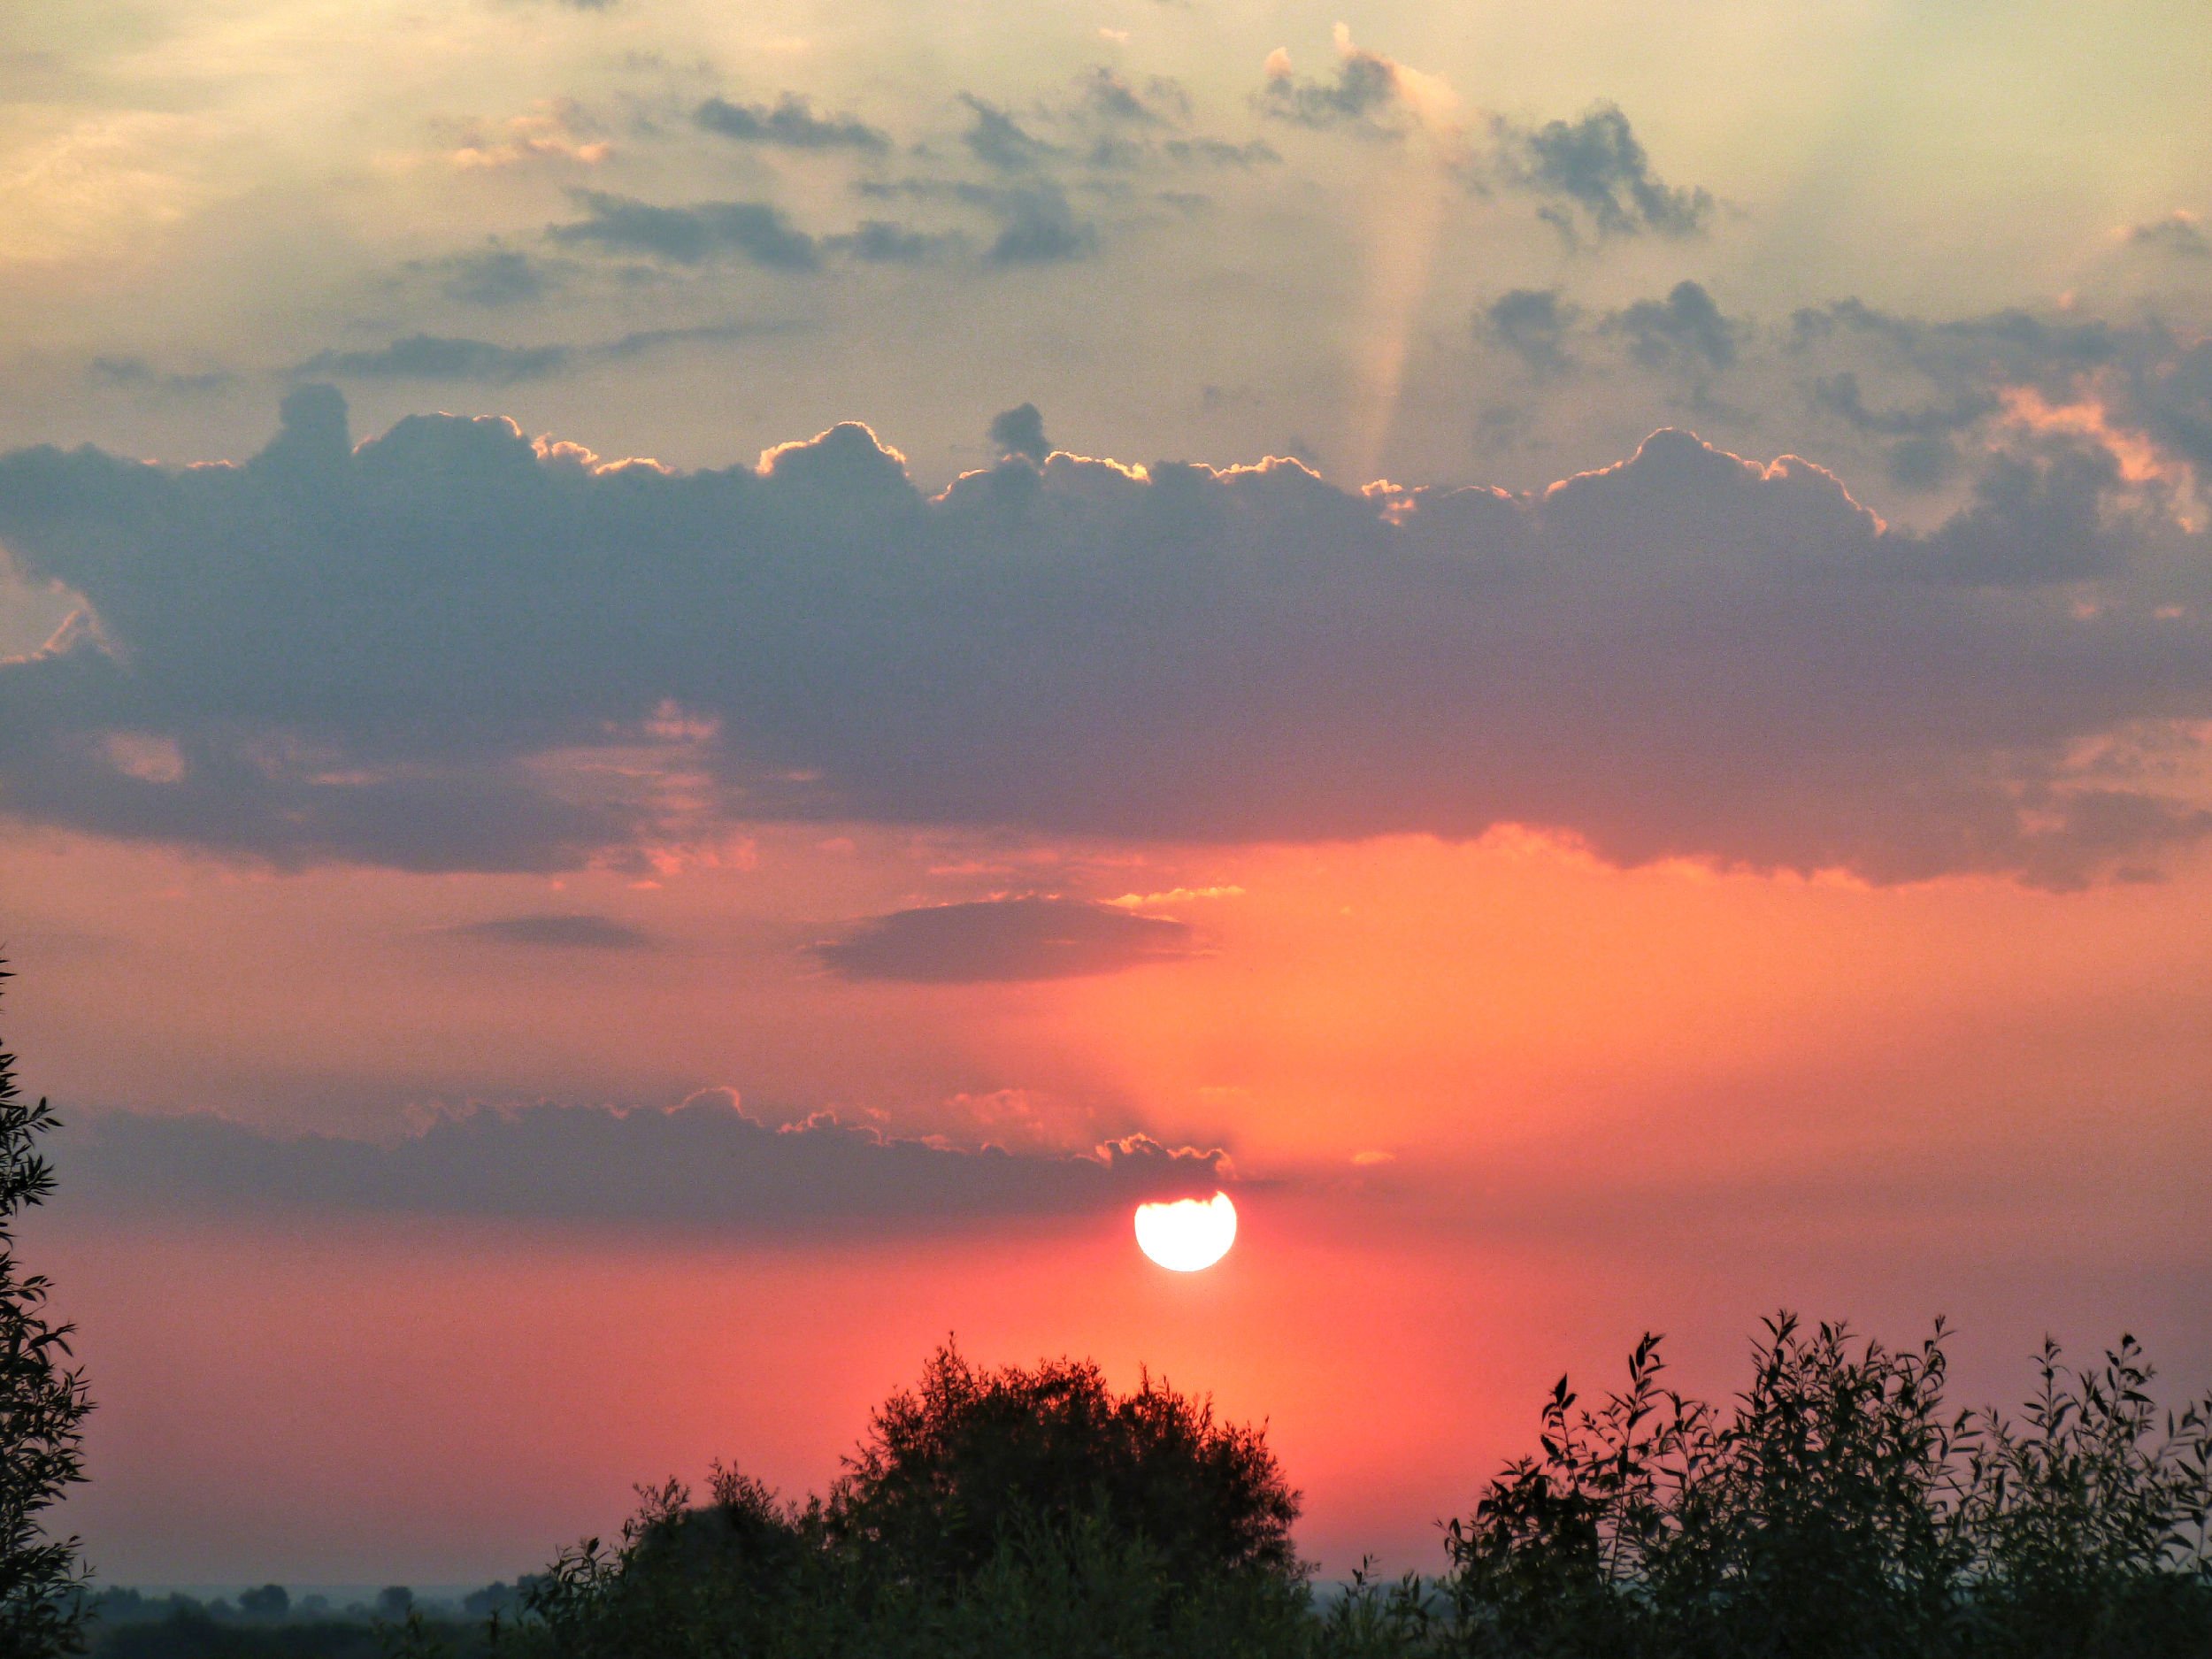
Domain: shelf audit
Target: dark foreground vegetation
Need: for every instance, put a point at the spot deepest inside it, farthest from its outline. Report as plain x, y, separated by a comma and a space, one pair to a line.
1838, 1508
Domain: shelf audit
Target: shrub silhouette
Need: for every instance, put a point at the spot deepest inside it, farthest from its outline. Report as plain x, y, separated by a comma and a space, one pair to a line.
948, 1467
1007, 1511
42, 1404
1843, 1509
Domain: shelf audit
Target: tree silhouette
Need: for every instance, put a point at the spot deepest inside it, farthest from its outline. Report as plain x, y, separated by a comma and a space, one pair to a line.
43, 1404
948, 1467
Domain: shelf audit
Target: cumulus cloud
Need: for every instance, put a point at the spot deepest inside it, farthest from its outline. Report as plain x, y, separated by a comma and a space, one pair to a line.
1367, 93
997, 139
1598, 176
490, 277
453, 648
1533, 324
706, 1165
1685, 329
791, 124
998, 939
2180, 234
1020, 431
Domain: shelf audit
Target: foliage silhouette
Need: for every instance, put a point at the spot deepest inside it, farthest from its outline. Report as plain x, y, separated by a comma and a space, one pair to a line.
1838, 1508
43, 1404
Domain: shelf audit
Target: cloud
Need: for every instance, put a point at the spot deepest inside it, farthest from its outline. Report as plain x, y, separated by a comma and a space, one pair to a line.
1020, 431
1036, 225
559, 932
882, 242
1533, 324
135, 374
704, 1166
492, 277
1597, 174
995, 139
998, 939
1217, 152
1365, 93
454, 648
1685, 329
2179, 233
436, 357
756, 231
791, 124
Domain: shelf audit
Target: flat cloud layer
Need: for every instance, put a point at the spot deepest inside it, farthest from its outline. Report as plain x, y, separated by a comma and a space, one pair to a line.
453, 648
704, 1164
1002, 940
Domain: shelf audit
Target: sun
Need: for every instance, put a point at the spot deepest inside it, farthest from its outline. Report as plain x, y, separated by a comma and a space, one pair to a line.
1188, 1234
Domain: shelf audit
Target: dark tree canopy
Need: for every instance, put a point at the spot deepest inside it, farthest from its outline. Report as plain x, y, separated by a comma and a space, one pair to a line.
42, 1404
948, 1467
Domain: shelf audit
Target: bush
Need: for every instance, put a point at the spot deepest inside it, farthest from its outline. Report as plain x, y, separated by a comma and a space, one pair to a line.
1842, 1509
43, 1405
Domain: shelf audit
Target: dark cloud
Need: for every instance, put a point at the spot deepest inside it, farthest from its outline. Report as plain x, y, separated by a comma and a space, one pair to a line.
1362, 95
1216, 152
998, 939
1107, 96
995, 139
560, 932
136, 374
1020, 431
881, 241
703, 1166
1533, 324
436, 357
375, 654
1685, 329
1595, 171
2181, 235
791, 124
755, 231
1036, 225
492, 277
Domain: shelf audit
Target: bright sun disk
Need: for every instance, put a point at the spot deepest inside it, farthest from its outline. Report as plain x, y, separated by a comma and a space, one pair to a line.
1188, 1234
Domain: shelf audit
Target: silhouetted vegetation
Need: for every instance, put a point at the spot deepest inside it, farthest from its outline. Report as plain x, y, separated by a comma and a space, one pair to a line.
1838, 1508
42, 1404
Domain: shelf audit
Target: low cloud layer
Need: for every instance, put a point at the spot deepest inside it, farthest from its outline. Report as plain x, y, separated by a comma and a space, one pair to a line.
452, 648
1003, 939
706, 1165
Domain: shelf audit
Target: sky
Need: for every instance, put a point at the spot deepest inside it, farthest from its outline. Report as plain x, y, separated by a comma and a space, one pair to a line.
684, 689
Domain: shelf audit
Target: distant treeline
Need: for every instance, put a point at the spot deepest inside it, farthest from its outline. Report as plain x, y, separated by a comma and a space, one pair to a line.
1836, 1508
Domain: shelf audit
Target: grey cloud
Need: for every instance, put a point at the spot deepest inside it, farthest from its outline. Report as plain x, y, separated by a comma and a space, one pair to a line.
882, 242
1596, 172
1359, 96
995, 139
436, 357
1036, 225
791, 124
2178, 233
559, 931
1533, 324
1000, 940
1020, 431
370, 654
137, 375
1109, 96
1216, 152
691, 235
1685, 329
705, 1166
492, 277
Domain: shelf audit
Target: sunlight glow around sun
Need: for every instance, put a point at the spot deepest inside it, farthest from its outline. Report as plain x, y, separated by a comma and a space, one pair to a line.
1188, 1234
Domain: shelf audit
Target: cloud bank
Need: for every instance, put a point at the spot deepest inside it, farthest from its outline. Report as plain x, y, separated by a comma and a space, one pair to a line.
453, 648
704, 1165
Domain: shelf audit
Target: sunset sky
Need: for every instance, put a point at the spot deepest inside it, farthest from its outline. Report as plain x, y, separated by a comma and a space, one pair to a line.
685, 687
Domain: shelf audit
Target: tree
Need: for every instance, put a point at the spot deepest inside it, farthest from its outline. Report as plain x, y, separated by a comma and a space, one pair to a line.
948, 1469
43, 1405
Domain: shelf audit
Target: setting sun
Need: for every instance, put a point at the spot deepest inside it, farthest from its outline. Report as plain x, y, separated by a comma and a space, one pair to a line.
1188, 1234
